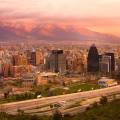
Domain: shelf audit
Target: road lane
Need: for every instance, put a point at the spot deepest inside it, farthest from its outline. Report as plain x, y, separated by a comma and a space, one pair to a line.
29, 104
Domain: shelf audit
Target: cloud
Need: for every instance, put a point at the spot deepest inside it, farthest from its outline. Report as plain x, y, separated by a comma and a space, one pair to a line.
69, 8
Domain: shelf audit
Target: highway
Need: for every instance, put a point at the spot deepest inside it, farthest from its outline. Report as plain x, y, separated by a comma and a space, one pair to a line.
12, 108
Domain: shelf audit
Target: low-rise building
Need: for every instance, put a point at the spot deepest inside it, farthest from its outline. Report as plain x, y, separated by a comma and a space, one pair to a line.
106, 82
45, 77
28, 79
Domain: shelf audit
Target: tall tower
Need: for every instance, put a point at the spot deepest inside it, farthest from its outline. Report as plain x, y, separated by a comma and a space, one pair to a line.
57, 61
112, 61
93, 59
36, 57
105, 64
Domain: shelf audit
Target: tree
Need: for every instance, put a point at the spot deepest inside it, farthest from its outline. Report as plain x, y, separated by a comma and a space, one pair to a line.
103, 100
57, 115
34, 117
95, 104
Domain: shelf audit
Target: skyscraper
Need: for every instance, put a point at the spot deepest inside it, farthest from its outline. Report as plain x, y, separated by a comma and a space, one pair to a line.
56, 61
93, 59
36, 57
112, 61
105, 64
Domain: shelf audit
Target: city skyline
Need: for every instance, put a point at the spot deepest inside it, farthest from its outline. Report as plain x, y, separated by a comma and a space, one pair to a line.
100, 16
59, 59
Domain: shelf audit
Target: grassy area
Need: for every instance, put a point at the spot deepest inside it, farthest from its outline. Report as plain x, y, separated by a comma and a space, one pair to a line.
46, 91
110, 111
70, 89
18, 97
76, 104
84, 87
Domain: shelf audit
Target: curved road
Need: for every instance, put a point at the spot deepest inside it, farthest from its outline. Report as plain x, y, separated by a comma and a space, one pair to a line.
31, 104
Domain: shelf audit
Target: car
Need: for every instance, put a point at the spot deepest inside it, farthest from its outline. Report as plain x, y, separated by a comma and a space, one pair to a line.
39, 96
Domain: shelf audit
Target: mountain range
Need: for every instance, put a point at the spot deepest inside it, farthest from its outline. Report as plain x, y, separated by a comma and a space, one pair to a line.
53, 32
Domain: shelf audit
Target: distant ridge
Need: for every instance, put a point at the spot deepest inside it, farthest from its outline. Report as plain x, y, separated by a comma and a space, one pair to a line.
53, 32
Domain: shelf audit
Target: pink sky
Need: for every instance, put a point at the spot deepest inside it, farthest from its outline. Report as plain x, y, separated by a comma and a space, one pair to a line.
98, 15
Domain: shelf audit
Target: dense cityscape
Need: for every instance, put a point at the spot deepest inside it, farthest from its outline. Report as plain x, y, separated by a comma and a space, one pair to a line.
59, 60
38, 74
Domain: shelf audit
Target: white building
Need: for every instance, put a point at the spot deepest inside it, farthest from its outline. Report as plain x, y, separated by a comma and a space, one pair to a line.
106, 82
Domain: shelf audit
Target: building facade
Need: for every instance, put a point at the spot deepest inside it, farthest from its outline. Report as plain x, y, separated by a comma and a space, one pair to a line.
105, 64
93, 59
56, 62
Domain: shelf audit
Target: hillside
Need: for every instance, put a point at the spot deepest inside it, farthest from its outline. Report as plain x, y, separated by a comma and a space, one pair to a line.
53, 32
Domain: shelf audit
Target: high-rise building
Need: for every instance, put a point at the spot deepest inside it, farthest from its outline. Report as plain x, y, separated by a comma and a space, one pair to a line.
16, 60
36, 57
93, 59
56, 61
105, 64
112, 61
6, 70
33, 58
28, 54
19, 60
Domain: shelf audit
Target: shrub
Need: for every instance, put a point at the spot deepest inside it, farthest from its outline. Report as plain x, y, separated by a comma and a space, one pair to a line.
103, 100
